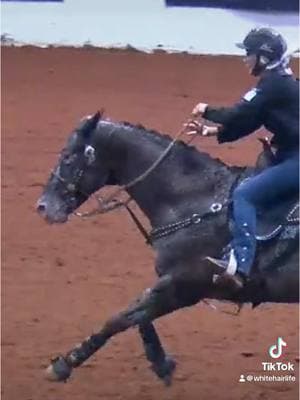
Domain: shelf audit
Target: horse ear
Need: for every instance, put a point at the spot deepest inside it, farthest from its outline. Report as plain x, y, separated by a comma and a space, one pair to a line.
91, 123
94, 120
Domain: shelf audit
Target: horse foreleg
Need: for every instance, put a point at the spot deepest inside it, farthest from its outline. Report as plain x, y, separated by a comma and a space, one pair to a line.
161, 363
153, 303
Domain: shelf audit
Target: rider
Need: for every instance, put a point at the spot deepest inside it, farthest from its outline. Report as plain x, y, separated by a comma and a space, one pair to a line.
274, 103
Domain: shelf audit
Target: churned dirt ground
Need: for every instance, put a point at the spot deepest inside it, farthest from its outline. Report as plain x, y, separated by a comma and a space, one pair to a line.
59, 283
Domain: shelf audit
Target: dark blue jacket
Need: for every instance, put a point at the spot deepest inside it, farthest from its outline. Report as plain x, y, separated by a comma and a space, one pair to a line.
273, 103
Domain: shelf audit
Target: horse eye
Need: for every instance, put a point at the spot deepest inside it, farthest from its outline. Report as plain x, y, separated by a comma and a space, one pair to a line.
68, 159
89, 153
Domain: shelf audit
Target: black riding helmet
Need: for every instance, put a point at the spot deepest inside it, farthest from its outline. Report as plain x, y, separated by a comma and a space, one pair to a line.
268, 46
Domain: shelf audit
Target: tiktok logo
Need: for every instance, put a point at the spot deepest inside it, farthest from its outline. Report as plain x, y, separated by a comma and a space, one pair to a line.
275, 351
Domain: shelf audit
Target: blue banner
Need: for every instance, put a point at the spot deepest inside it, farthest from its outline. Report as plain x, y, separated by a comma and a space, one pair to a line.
259, 5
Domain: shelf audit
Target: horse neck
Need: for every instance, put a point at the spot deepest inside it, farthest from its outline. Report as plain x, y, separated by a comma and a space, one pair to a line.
181, 185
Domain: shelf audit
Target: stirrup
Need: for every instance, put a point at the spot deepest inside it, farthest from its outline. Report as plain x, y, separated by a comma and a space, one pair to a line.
230, 266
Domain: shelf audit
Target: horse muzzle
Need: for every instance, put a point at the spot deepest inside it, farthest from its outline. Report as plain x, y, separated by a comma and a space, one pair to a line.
51, 212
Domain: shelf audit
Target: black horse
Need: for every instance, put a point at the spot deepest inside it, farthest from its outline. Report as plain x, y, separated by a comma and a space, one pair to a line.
186, 199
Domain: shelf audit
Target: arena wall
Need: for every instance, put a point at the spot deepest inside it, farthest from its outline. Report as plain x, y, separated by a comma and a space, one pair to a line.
143, 24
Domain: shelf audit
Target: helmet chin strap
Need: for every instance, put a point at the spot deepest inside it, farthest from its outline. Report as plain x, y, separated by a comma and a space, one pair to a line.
263, 63
283, 61
260, 65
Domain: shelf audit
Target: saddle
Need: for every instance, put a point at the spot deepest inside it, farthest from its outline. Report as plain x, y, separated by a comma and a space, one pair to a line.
279, 217
284, 216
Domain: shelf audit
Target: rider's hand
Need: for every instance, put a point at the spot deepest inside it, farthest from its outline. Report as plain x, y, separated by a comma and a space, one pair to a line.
195, 127
210, 130
199, 109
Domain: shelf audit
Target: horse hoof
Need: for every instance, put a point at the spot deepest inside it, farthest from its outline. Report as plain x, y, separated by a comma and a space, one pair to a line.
165, 370
58, 370
170, 368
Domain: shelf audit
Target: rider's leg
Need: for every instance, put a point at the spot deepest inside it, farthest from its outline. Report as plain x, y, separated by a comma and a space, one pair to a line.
263, 189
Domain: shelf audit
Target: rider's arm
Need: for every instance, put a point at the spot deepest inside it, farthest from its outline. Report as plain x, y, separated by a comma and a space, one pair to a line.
244, 117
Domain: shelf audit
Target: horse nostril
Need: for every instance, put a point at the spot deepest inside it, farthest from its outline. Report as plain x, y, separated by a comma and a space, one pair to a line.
41, 208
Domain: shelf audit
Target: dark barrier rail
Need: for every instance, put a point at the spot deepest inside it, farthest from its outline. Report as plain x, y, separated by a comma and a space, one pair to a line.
259, 5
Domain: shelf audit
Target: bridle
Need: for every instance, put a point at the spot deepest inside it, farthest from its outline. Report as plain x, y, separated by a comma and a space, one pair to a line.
111, 202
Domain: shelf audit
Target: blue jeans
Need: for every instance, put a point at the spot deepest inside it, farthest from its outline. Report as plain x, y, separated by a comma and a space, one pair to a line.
263, 189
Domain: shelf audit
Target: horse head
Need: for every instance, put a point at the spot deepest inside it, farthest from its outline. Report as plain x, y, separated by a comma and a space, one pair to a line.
82, 169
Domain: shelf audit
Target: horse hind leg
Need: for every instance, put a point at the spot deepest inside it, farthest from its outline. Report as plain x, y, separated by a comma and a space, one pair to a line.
160, 300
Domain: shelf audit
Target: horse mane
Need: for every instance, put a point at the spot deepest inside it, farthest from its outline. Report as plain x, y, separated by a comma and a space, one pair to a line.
189, 154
